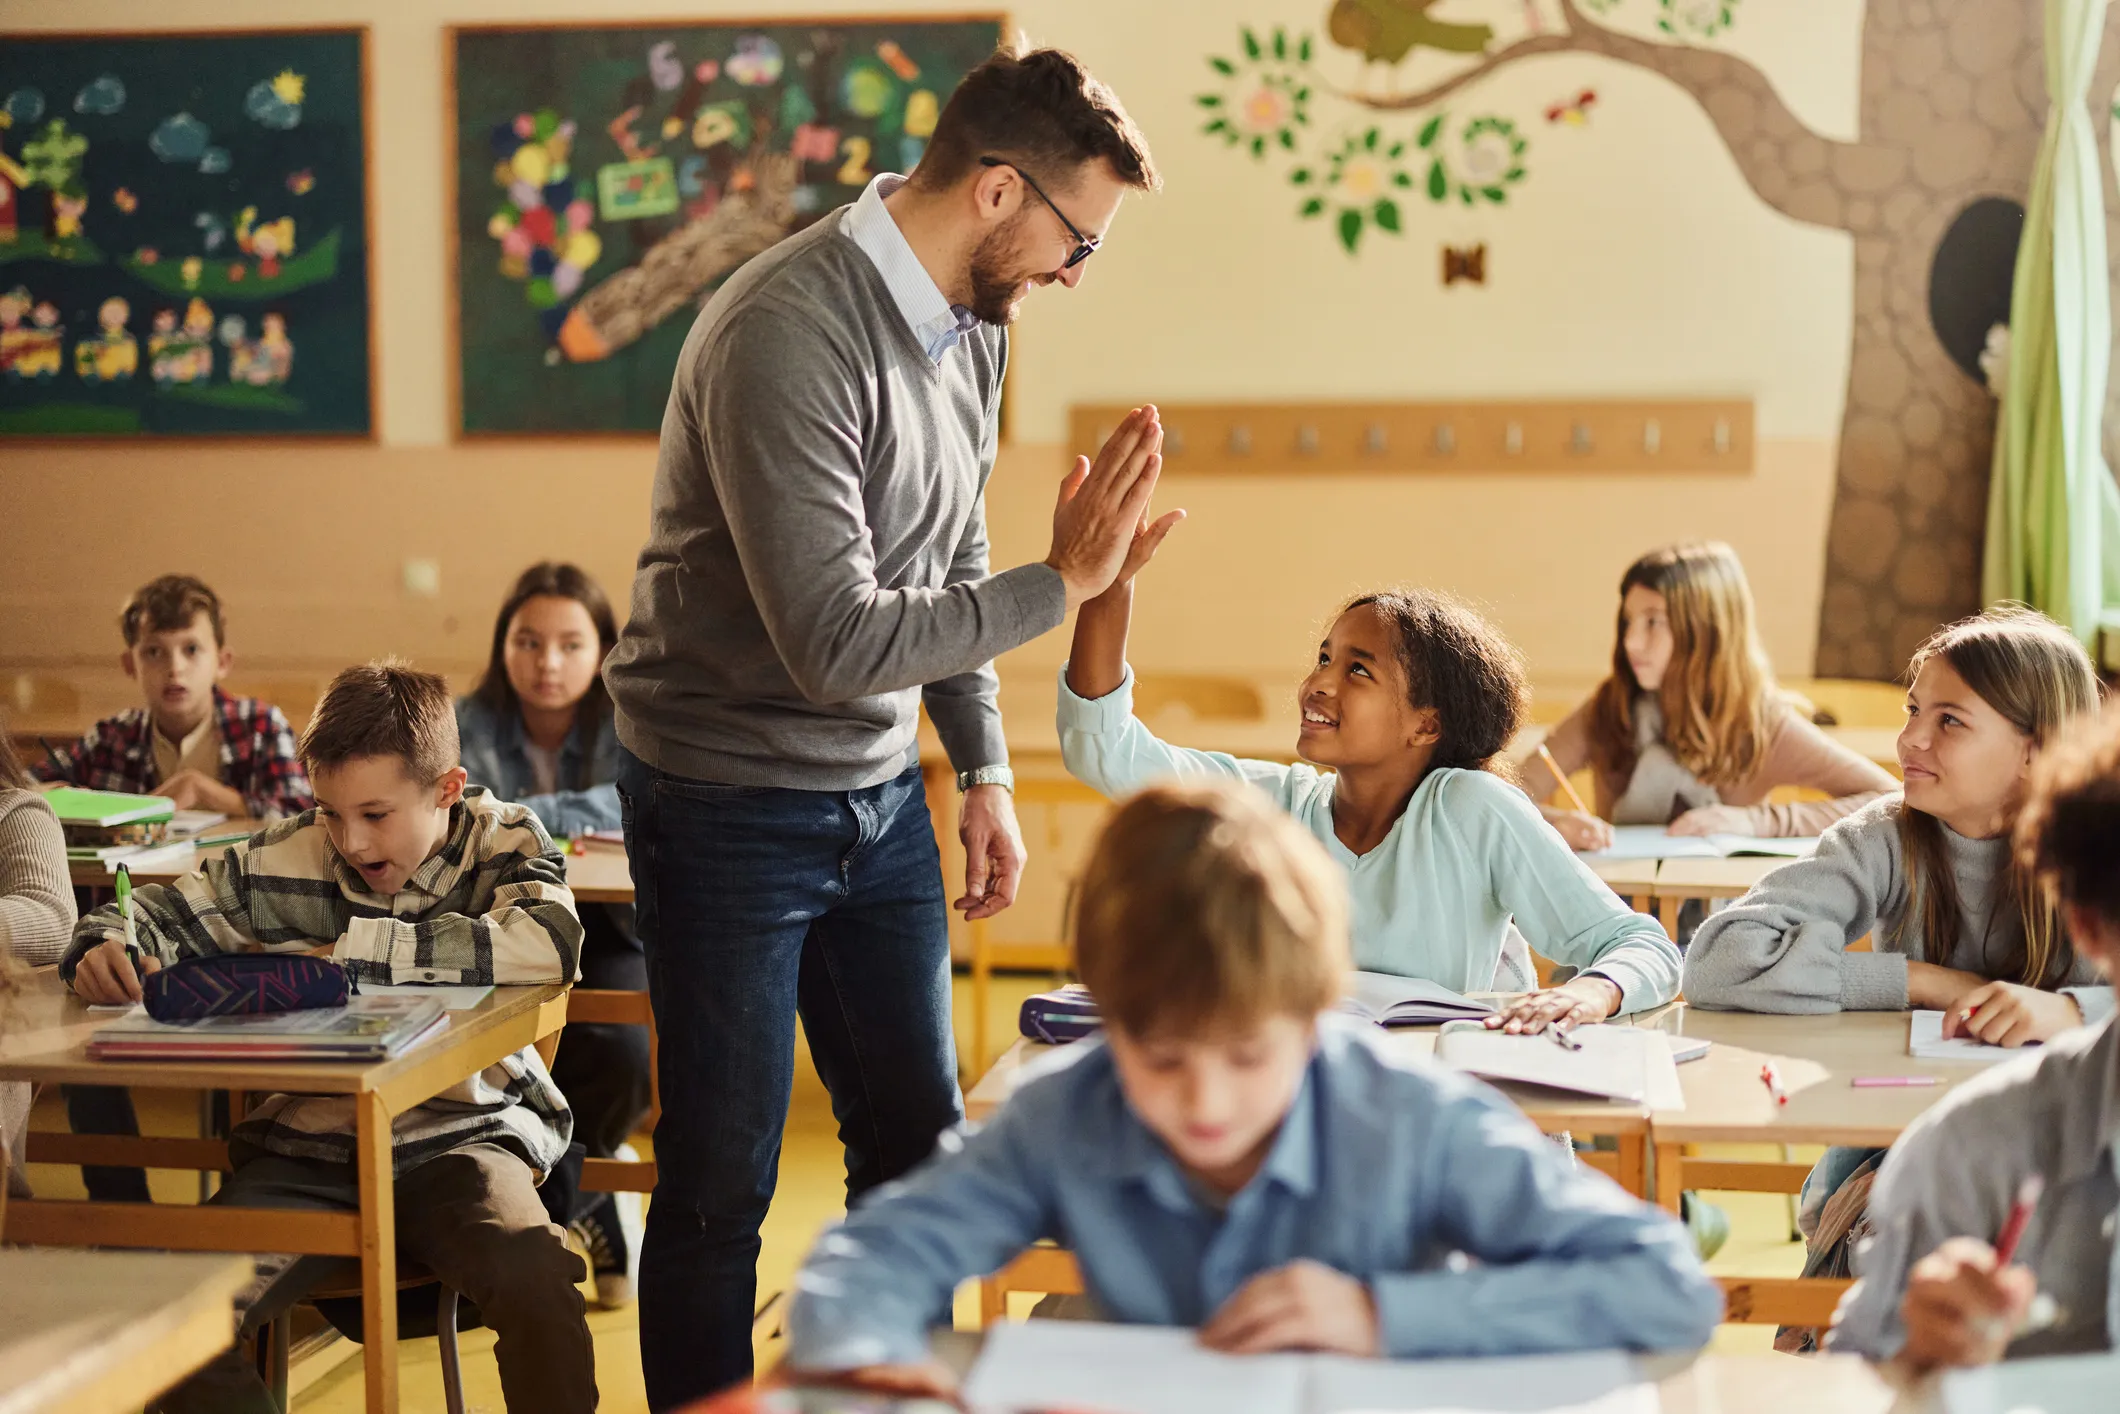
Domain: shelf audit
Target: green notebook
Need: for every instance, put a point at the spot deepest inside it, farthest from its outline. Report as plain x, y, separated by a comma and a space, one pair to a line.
104, 808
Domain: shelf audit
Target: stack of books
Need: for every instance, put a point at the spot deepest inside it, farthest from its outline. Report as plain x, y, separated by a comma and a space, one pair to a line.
110, 827
367, 1028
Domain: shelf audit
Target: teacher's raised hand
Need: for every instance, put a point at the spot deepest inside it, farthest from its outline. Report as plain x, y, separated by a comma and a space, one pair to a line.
1101, 506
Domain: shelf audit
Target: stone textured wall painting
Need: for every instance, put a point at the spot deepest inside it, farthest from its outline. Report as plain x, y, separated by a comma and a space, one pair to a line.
1931, 187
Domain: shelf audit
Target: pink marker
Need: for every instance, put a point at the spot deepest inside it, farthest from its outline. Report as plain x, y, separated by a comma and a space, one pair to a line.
1878, 1082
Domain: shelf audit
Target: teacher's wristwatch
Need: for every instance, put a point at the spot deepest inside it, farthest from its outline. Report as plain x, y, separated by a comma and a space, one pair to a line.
1000, 776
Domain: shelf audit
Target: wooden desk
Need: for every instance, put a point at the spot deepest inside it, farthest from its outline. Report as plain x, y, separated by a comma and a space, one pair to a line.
1632, 879
1680, 879
101, 1332
45, 1043
1727, 1102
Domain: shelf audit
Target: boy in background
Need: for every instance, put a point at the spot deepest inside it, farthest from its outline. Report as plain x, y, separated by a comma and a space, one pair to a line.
190, 741
409, 877
1229, 1156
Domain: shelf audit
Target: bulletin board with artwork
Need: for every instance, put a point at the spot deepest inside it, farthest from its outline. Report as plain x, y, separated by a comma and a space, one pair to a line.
608, 179
184, 234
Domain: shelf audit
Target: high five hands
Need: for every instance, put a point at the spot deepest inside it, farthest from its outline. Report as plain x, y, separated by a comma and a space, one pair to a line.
1102, 534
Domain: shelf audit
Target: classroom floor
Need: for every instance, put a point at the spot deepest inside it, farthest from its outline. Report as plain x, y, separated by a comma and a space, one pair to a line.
811, 1193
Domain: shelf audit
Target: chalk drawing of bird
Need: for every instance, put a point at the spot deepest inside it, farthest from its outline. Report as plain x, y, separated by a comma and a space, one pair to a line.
1386, 31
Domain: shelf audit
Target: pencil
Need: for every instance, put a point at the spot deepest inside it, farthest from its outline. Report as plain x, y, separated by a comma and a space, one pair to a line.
1567, 785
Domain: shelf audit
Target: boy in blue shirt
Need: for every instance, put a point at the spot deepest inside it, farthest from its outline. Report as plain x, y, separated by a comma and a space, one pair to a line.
1229, 1157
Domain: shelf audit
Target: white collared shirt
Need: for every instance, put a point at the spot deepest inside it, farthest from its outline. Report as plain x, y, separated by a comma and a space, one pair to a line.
936, 323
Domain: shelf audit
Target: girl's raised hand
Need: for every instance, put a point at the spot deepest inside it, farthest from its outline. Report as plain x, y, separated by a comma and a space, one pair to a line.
2006, 1014
1148, 538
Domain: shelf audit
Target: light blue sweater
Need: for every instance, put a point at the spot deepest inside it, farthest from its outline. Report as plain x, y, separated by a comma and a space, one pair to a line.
1435, 899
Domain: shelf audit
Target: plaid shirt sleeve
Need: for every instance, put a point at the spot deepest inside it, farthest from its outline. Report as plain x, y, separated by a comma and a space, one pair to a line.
266, 766
527, 932
107, 757
205, 912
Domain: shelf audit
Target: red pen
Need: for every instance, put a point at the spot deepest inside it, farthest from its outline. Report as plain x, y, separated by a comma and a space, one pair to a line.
1771, 1074
2020, 1216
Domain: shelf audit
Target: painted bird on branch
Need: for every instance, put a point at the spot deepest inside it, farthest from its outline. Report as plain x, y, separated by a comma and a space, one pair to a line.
1386, 31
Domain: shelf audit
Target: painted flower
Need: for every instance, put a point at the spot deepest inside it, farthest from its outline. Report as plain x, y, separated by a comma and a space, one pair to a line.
1264, 97
1485, 160
1696, 19
1360, 182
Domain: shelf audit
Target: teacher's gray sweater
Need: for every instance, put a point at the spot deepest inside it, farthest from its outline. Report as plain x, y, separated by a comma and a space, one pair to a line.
1783, 947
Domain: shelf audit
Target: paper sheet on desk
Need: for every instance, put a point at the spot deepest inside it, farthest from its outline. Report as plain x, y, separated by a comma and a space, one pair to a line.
1651, 842
451, 998
2060, 1384
1926, 1041
1086, 1365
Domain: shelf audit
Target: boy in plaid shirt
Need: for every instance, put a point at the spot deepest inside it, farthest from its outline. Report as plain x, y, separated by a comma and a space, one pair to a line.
191, 741
410, 877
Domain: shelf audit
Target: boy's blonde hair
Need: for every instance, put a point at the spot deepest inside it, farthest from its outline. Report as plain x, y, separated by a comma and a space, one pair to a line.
1204, 906
385, 709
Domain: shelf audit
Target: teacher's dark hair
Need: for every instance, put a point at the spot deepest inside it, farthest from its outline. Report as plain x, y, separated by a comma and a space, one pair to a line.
1041, 111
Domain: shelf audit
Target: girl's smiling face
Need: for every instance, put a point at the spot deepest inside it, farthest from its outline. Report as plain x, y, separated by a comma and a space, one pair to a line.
1357, 707
1964, 762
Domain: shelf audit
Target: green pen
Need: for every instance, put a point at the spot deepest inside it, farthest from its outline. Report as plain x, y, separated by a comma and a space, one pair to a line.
125, 911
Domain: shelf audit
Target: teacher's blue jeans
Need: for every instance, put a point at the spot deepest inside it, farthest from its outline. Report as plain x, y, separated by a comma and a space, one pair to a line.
757, 905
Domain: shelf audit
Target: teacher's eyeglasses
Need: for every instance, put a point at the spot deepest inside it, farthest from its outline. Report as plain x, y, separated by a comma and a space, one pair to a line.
1085, 246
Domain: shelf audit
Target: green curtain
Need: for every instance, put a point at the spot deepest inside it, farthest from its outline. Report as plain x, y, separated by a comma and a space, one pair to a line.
2053, 531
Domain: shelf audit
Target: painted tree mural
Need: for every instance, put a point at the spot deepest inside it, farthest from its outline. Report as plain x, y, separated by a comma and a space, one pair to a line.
1952, 105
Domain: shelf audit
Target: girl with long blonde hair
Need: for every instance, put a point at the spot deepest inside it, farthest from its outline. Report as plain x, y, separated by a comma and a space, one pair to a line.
1689, 731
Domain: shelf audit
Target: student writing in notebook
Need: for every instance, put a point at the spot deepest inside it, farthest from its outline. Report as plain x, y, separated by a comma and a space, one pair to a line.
1932, 1291
537, 730
1689, 731
410, 877
188, 740
1410, 701
1230, 1156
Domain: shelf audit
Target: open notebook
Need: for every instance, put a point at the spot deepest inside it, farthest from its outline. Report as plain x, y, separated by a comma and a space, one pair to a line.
1087, 1365
1926, 1041
1651, 842
1407, 1001
1608, 1062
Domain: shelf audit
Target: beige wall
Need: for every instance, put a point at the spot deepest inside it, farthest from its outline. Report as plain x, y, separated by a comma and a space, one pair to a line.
1634, 262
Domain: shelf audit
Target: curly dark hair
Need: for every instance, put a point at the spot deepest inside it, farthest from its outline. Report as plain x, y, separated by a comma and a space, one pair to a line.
1462, 667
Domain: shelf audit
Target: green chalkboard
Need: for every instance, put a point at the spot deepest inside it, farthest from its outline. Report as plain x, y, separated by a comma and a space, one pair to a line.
184, 234
609, 178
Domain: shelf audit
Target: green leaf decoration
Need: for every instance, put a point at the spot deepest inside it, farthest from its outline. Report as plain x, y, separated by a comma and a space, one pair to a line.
1350, 229
1396, 149
1222, 66
1514, 174
1438, 184
1251, 43
1465, 195
1387, 214
1258, 147
1401, 179
1288, 140
1303, 54
1494, 194
1300, 176
1313, 206
1303, 96
1280, 43
1431, 130
1219, 125
1369, 139
1209, 100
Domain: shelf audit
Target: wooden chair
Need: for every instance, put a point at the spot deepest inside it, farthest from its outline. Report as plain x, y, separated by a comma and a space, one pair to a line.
1041, 956
591, 1006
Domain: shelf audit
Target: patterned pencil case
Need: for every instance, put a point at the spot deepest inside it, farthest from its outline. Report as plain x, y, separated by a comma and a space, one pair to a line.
243, 984
1067, 1014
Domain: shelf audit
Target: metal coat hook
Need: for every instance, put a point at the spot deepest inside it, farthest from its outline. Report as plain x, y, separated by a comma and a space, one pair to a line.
1513, 439
1652, 437
1374, 441
1579, 440
1445, 440
1240, 440
1722, 435
1307, 440
1173, 441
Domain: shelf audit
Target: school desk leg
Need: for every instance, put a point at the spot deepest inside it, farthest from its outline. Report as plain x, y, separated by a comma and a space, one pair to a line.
1667, 914
993, 1302
1634, 1164
378, 1253
1670, 1175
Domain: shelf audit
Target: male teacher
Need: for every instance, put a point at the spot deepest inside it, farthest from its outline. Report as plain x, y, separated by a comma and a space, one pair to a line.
816, 570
